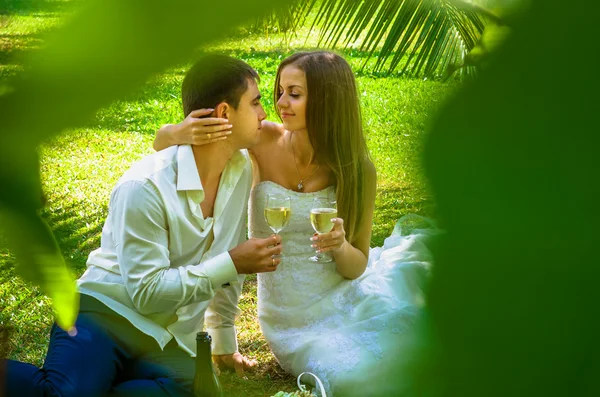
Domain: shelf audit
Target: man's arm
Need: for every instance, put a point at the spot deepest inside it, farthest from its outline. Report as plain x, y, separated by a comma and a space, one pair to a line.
222, 312
139, 224
220, 317
141, 234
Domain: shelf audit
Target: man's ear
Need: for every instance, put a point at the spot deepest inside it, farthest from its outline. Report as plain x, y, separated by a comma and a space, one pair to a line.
222, 110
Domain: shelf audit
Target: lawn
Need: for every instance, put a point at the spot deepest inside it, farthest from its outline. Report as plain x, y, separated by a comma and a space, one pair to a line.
80, 168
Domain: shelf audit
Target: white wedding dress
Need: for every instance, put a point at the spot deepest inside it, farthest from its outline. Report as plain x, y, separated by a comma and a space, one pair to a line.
350, 333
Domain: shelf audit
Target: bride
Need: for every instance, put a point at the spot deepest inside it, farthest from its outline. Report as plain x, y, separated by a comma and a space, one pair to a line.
347, 320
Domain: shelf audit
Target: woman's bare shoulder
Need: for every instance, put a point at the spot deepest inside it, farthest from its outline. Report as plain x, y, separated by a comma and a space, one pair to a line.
270, 134
272, 130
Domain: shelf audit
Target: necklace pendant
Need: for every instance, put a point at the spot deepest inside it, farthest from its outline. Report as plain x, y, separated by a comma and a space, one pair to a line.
300, 186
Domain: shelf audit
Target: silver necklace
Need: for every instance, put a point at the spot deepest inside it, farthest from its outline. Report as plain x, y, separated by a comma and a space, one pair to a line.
301, 183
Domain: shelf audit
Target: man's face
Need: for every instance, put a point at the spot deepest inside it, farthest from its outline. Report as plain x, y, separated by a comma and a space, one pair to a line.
246, 119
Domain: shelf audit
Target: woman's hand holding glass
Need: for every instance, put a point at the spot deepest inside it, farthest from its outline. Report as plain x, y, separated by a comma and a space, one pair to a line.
329, 242
196, 129
330, 234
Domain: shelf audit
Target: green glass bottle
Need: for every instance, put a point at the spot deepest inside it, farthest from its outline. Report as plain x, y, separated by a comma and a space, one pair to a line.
206, 383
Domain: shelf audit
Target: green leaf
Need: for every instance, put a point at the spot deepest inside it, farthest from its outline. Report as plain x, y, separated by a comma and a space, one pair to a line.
513, 163
41, 263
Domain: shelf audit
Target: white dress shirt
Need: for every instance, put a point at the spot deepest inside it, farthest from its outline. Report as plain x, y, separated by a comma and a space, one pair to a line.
161, 264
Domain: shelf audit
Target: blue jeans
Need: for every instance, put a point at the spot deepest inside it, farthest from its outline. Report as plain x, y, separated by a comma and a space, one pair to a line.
95, 363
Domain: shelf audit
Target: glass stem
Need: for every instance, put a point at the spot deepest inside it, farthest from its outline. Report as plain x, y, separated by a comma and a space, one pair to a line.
318, 254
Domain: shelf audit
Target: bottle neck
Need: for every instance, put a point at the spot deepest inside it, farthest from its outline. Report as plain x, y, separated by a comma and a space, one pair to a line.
203, 353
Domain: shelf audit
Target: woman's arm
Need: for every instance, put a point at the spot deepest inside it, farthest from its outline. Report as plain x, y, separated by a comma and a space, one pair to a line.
351, 258
195, 129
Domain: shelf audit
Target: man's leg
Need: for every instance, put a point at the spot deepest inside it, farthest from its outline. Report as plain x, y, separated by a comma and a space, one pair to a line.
169, 372
80, 365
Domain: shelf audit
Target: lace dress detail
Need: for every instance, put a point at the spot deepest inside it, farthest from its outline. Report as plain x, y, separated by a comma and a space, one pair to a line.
315, 320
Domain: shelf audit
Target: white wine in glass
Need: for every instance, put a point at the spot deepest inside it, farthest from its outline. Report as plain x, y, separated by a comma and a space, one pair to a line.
278, 211
323, 210
320, 218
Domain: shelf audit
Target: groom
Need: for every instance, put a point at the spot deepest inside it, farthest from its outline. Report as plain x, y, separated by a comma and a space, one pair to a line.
172, 258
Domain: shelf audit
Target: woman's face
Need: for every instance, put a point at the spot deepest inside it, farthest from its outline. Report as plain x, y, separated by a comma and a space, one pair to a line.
293, 95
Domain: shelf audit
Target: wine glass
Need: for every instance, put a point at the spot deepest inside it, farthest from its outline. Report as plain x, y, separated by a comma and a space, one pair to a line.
323, 210
278, 211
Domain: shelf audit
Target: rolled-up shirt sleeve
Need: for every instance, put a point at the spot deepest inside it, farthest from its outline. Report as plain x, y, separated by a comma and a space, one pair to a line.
141, 233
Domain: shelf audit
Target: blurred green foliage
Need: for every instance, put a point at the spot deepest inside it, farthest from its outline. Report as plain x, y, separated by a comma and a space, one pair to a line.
514, 163
512, 160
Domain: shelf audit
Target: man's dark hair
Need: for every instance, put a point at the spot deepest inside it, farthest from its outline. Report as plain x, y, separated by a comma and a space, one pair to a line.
214, 79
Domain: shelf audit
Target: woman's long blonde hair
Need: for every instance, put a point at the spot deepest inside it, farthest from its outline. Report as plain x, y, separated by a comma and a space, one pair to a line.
334, 124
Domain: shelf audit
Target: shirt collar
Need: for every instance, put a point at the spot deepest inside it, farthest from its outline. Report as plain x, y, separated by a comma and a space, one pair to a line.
238, 160
187, 171
188, 179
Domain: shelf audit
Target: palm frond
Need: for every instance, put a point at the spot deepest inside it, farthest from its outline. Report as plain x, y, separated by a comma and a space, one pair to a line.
417, 37
285, 19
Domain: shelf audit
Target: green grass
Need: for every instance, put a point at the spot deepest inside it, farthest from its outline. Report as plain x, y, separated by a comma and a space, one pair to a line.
80, 168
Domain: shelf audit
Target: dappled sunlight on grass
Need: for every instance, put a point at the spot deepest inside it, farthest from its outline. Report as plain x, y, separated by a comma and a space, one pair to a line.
25, 310
393, 201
